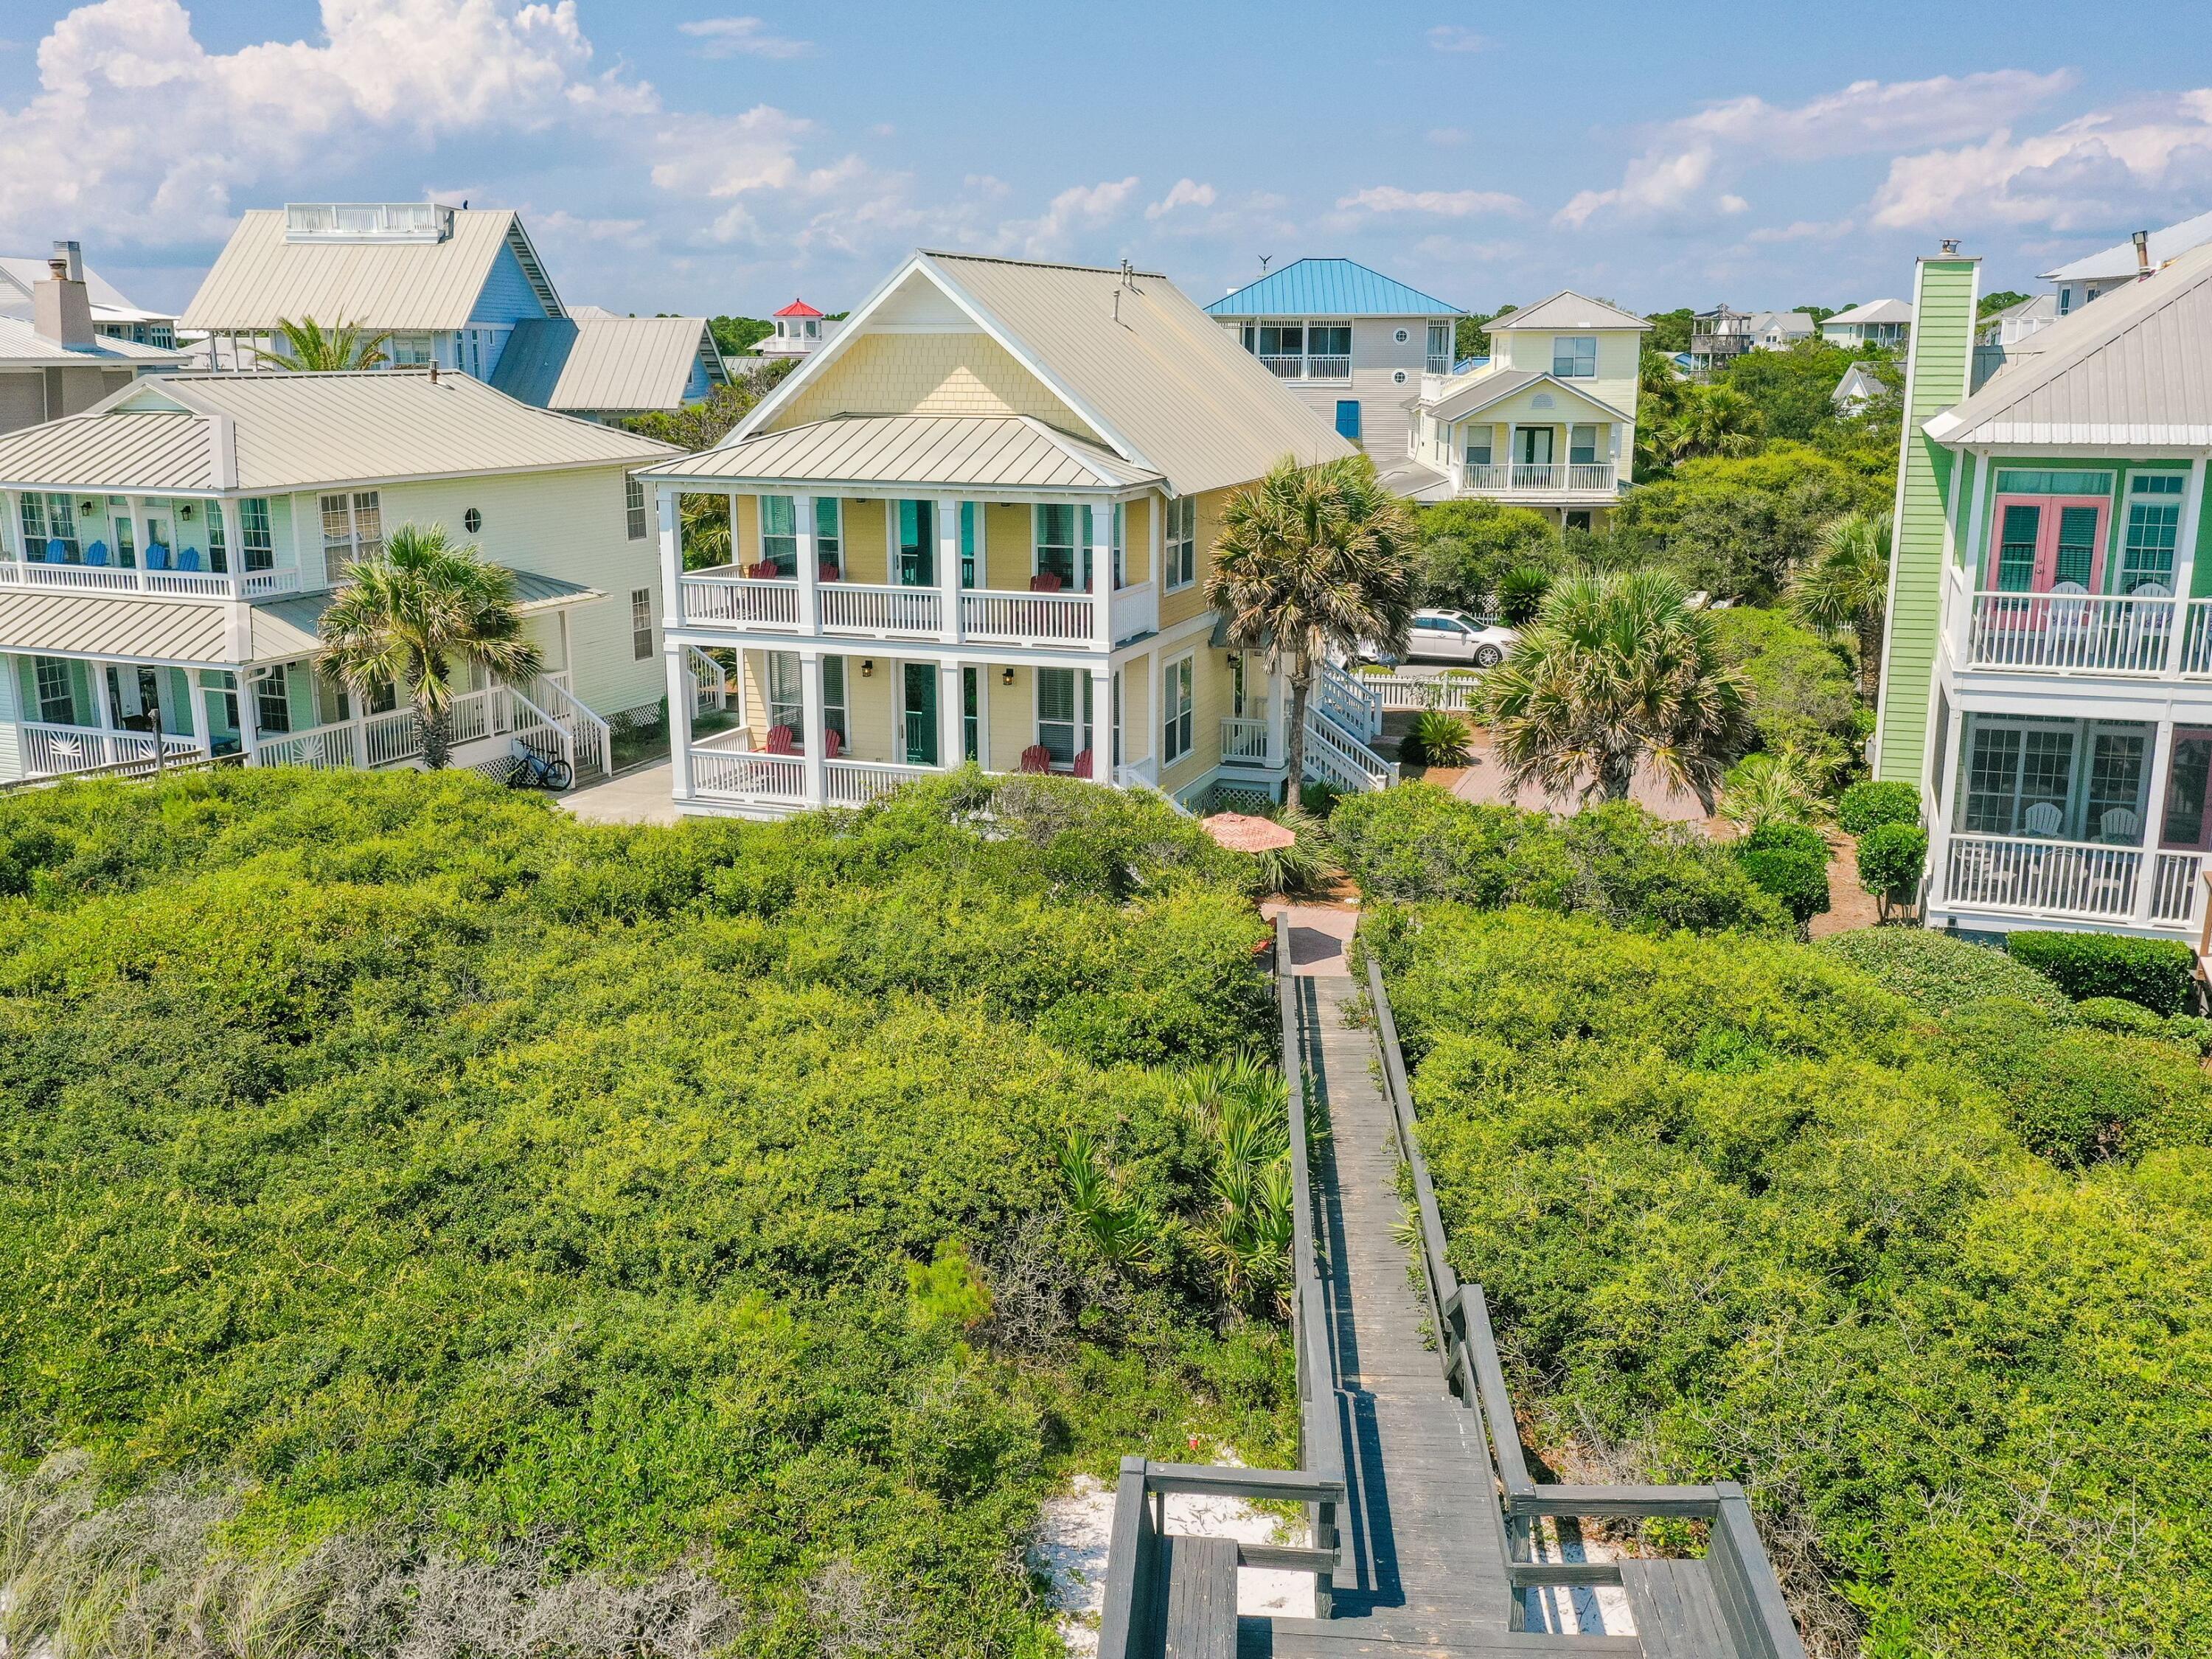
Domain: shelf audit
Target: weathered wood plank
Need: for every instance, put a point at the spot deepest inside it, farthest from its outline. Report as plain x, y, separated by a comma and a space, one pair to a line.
1199, 1618
1676, 1616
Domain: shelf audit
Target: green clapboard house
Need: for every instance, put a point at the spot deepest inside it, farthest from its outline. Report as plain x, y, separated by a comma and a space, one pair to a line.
2048, 674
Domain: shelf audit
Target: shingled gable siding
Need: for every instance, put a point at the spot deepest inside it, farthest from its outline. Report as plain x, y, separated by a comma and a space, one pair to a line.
1941, 348
928, 374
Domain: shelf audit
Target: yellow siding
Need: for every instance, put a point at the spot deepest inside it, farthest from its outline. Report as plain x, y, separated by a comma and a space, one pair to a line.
1137, 709
1210, 702
871, 708
866, 556
1137, 534
1010, 718
1007, 559
754, 667
928, 374
1186, 602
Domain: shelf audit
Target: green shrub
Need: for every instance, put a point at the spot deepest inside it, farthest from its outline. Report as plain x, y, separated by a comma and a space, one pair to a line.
1741, 1215
2117, 1015
1780, 836
2156, 973
1521, 593
1790, 861
1891, 859
1938, 972
1439, 737
1867, 806
1803, 696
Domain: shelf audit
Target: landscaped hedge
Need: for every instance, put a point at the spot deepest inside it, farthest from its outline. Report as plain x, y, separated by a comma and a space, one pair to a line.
1867, 806
1791, 862
1416, 841
2156, 973
1740, 1213
440, 1226
1938, 972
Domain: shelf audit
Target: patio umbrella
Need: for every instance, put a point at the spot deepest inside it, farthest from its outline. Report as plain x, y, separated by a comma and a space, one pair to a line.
1240, 832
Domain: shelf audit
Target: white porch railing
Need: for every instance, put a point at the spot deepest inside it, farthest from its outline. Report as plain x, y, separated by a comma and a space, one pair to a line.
1542, 477
1287, 369
2174, 880
2195, 658
743, 774
2070, 633
1342, 760
744, 600
855, 783
710, 684
1135, 609
57, 751
2042, 877
895, 612
1244, 740
591, 745
322, 747
1335, 368
1453, 689
1352, 704
1143, 774
1002, 619
138, 580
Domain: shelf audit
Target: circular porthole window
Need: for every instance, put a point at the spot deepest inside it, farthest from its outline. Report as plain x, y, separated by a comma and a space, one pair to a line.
1401, 336
1399, 377
473, 521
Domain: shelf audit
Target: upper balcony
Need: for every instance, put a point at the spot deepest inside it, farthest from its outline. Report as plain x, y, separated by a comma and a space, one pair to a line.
1596, 482
725, 597
1325, 366
138, 581
2145, 635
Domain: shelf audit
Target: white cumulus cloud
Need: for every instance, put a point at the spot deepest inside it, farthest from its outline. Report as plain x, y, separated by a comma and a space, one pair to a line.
1184, 192
1441, 204
748, 37
1454, 37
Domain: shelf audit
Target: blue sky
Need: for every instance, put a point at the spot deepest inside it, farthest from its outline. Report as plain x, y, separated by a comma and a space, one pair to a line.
705, 158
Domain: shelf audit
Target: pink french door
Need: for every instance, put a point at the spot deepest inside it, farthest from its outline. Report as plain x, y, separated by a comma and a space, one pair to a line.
2038, 542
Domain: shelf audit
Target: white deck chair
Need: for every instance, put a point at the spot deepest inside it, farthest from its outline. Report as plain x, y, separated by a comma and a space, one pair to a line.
2043, 819
2120, 823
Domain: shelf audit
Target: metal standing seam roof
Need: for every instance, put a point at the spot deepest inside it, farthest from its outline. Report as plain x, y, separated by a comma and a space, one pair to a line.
596, 361
996, 451
1566, 309
1874, 311
2119, 260
260, 277
21, 343
1488, 389
2133, 369
22, 272
1329, 287
98, 624
1163, 385
302, 431
288, 626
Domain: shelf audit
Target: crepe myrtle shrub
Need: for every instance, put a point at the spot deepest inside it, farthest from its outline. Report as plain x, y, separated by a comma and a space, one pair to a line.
1891, 859
1865, 807
2153, 973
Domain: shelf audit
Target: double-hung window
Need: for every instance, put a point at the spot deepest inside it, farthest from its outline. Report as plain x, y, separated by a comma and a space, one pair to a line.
640, 624
48, 520
272, 701
57, 691
1063, 714
833, 699
257, 545
829, 540
1574, 356
1182, 542
353, 528
2154, 524
1178, 705
1581, 445
785, 705
634, 505
1055, 542
779, 534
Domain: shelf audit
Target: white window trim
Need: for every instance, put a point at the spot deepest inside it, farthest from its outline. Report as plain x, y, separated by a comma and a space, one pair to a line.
1086, 730
1169, 560
1168, 673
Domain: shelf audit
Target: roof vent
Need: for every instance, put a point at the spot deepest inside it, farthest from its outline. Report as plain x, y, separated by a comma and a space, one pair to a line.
1950, 247
2142, 254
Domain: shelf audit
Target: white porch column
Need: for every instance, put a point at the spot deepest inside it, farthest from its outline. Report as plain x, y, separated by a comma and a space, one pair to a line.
1155, 728
1279, 719
1099, 538
951, 717
812, 724
103, 704
671, 557
679, 719
249, 715
224, 512
2154, 815
948, 568
810, 561
11, 525
2184, 571
1102, 723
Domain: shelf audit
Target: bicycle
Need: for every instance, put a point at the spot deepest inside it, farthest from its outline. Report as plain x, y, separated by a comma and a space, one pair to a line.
532, 771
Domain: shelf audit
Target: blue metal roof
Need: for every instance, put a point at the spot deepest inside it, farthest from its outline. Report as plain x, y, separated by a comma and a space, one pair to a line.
1329, 287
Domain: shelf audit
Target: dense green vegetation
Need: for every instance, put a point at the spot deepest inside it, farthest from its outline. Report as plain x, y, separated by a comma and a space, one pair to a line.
2156, 974
422, 1214
1934, 1281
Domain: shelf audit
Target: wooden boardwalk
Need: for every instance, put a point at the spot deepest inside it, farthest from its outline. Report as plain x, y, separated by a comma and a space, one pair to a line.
1423, 1556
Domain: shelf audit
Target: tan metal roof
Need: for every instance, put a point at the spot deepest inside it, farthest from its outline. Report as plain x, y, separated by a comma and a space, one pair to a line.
1481, 391
1567, 309
590, 360
20, 342
260, 277
1874, 311
302, 431
2133, 369
1005, 451
79, 625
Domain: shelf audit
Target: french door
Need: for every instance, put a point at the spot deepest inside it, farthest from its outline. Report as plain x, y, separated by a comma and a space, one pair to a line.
918, 712
2047, 541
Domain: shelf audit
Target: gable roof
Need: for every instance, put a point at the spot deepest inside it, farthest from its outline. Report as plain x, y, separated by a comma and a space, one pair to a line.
1874, 311
1157, 381
20, 274
1013, 451
21, 343
593, 360
2119, 260
261, 276
1567, 309
2136, 367
273, 433
1329, 287
1485, 390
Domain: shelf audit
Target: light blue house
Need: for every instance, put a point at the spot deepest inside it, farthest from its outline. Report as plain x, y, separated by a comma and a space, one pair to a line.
1352, 343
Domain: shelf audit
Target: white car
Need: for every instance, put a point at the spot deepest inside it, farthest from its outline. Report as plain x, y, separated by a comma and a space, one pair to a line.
1454, 636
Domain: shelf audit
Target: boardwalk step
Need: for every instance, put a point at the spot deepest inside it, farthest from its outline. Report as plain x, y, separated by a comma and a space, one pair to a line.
1676, 1614
1200, 1615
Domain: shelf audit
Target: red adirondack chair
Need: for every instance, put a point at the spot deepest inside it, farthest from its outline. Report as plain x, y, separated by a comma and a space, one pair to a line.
832, 744
1045, 581
1036, 758
779, 741
1082, 767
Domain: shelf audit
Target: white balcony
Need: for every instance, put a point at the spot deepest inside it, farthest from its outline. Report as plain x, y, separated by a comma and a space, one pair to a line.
717, 599
1574, 480
2090, 881
890, 613
52, 752
2073, 633
138, 582
1135, 609
1047, 619
1332, 365
1244, 742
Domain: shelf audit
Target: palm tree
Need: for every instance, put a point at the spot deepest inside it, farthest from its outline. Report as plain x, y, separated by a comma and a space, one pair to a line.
309, 346
407, 615
1616, 674
1710, 421
1846, 586
1313, 559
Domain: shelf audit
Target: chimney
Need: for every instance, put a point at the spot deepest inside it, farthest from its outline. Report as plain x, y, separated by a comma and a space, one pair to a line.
61, 311
2143, 255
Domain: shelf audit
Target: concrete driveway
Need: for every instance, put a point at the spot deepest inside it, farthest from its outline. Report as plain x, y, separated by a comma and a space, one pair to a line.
645, 796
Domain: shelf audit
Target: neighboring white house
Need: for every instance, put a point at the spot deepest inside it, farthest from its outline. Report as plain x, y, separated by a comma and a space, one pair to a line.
2077, 281
978, 525
1351, 343
1547, 421
114, 316
1878, 323
53, 360
455, 286
2018, 321
1719, 337
1860, 386
165, 557
796, 329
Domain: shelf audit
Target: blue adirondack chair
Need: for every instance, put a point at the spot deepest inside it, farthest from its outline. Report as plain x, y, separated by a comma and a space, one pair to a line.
157, 556
96, 554
189, 559
56, 553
